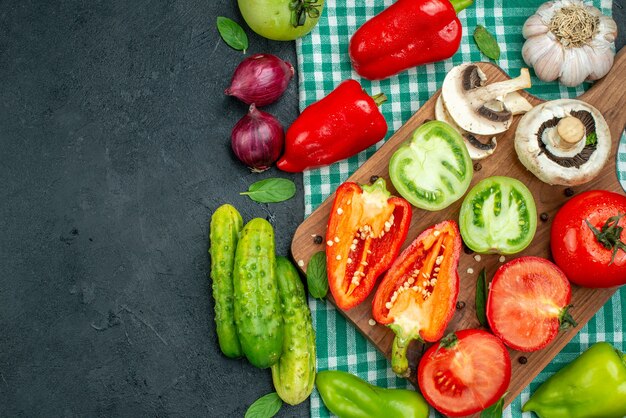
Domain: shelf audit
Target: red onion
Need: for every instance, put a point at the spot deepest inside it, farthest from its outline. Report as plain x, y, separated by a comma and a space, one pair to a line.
260, 79
257, 139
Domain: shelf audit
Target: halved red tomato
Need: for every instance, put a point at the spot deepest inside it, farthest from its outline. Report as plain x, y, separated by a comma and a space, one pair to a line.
465, 372
528, 303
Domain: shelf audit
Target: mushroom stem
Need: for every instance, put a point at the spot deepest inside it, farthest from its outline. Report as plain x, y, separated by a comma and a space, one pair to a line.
500, 89
568, 133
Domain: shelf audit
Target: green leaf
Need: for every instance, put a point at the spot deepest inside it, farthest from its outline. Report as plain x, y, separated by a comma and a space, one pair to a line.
481, 298
591, 139
232, 33
265, 407
271, 190
495, 410
486, 43
316, 276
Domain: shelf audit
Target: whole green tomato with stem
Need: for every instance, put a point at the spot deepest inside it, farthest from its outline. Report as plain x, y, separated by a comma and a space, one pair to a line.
281, 20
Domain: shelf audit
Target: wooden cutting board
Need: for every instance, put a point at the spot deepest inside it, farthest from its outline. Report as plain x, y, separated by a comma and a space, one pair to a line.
609, 97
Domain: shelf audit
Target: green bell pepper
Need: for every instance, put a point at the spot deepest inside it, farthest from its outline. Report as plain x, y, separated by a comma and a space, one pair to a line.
592, 386
347, 396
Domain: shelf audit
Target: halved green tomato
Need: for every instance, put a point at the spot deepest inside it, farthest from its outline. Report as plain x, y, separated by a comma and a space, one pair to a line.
498, 216
433, 169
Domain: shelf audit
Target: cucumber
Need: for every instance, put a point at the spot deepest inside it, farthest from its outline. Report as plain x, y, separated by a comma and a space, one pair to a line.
294, 374
257, 303
226, 223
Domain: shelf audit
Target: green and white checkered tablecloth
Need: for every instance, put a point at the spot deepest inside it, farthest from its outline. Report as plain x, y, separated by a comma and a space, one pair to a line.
323, 63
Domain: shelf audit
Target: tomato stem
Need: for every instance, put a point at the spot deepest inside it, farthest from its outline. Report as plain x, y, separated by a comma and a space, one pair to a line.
300, 9
566, 320
449, 341
610, 235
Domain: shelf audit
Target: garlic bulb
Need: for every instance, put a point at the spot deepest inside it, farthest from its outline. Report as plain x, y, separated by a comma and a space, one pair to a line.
569, 41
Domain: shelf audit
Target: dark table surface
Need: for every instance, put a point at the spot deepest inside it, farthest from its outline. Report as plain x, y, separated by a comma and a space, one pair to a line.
114, 136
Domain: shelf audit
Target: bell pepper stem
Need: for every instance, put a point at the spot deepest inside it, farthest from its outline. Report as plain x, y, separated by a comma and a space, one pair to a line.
622, 356
461, 4
399, 362
379, 98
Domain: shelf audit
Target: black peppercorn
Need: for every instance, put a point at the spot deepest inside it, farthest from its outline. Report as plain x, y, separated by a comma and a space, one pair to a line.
460, 305
478, 167
569, 192
318, 239
544, 216
467, 250
522, 360
373, 179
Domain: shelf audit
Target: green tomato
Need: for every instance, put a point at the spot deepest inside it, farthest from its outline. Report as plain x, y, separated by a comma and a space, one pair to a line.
498, 216
281, 20
433, 169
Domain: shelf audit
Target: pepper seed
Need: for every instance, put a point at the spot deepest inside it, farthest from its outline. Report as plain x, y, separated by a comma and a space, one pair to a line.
544, 216
522, 360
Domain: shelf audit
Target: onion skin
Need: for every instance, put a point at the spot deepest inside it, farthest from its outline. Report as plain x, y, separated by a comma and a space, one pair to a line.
260, 79
257, 139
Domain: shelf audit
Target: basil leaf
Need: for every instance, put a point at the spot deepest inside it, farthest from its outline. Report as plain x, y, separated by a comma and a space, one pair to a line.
232, 33
271, 190
495, 410
265, 407
316, 276
481, 299
486, 43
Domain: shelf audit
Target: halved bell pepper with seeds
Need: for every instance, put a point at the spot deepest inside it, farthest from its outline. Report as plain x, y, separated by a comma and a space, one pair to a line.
366, 228
418, 295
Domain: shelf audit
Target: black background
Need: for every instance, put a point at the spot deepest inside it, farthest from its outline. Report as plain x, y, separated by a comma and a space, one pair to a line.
114, 135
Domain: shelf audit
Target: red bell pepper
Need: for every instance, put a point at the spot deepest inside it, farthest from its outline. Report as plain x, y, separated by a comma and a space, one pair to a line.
407, 34
366, 228
418, 295
345, 122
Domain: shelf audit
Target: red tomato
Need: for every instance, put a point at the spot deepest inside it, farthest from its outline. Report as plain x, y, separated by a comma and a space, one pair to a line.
465, 372
527, 303
575, 248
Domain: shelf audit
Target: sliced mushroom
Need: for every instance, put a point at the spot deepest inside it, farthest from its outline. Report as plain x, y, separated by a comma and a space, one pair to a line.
565, 142
477, 149
478, 108
516, 103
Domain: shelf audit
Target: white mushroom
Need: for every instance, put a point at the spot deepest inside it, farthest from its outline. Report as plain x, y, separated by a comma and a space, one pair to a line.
478, 108
477, 146
477, 149
564, 142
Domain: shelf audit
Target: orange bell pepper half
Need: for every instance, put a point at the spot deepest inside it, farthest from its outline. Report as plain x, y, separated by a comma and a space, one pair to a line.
366, 229
417, 298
